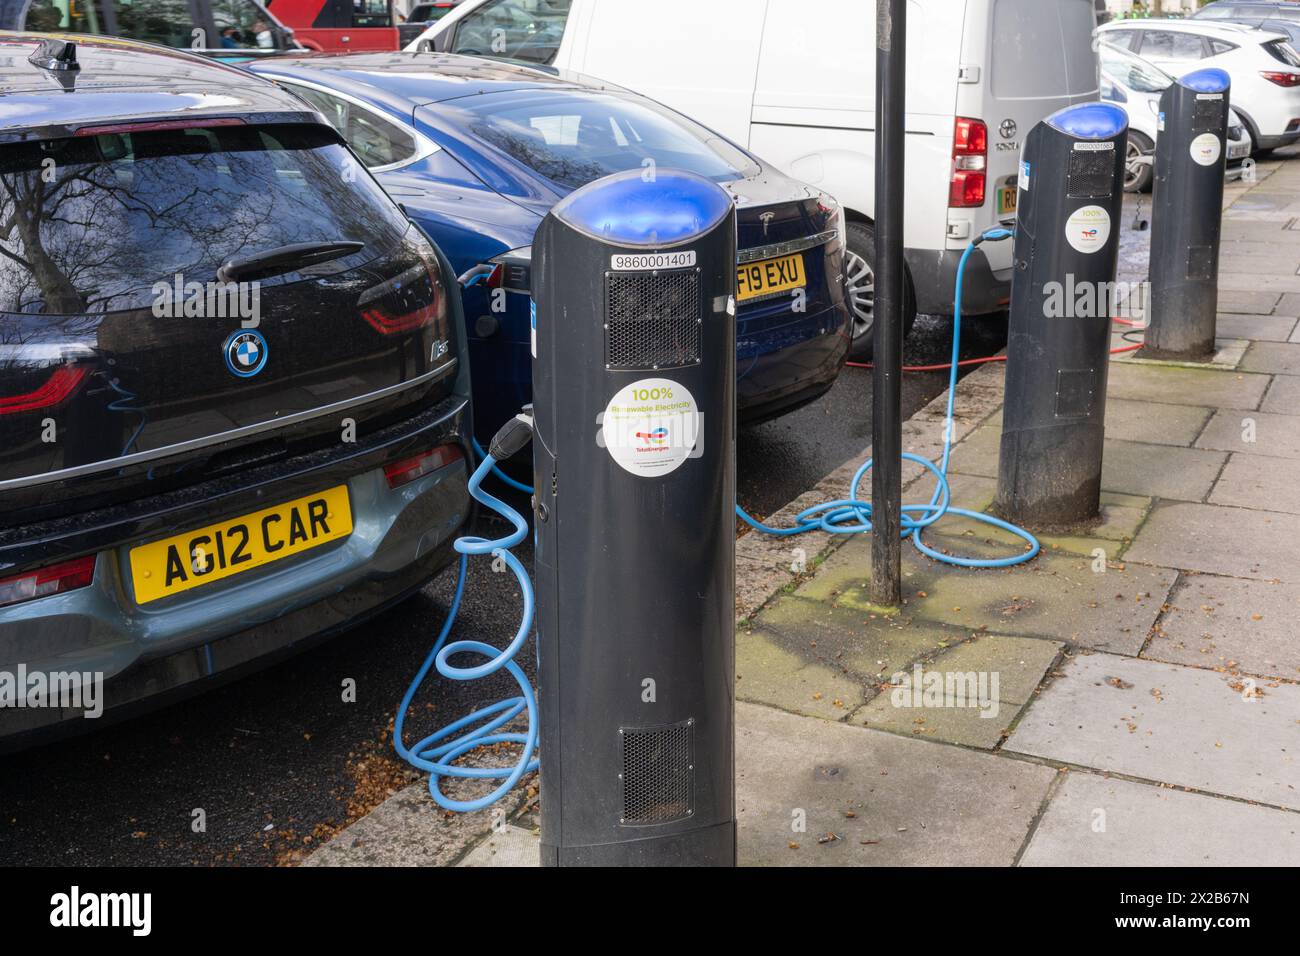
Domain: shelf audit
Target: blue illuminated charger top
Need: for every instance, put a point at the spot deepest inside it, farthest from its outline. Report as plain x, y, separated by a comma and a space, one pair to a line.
662, 207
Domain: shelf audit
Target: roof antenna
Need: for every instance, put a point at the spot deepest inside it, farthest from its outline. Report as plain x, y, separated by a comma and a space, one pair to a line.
60, 55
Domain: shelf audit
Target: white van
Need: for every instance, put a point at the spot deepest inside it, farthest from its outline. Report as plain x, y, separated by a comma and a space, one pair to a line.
794, 82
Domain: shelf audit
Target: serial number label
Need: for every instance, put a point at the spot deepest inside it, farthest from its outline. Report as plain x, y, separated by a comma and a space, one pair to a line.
624, 262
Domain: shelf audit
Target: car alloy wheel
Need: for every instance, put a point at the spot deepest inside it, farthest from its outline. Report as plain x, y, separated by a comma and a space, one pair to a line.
860, 289
1132, 168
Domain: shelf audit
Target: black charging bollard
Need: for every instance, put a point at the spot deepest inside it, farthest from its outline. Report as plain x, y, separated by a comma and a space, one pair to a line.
1067, 246
634, 377
1187, 217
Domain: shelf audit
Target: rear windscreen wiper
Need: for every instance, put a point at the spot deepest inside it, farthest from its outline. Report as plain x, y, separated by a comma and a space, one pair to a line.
281, 259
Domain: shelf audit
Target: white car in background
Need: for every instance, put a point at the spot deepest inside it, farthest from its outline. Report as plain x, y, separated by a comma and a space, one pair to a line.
1135, 85
1263, 66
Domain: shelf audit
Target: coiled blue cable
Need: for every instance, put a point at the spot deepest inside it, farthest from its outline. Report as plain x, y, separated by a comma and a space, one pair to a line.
852, 515
437, 752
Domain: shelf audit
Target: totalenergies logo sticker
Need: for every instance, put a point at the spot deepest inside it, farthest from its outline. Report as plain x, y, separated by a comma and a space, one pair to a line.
1088, 229
651, 426
1206, 149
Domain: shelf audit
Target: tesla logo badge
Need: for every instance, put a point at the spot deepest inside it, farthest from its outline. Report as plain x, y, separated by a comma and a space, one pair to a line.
246, 353
1008, 128
766, 219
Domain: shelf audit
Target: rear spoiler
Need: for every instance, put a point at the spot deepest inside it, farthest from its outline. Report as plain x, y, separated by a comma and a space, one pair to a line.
88, 127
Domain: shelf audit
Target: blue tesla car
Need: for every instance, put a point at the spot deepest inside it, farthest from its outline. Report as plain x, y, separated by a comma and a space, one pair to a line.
477, 151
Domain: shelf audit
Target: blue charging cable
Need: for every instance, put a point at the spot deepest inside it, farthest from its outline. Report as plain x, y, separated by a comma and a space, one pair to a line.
852, 515
438, 752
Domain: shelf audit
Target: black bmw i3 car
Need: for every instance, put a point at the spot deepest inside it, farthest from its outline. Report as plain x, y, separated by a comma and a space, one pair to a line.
234, 400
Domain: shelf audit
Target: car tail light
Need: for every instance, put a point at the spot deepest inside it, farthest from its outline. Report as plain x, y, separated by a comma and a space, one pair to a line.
386, 323
55, 579
970, 157
1281, 78
65, 380
378, 306
406, 470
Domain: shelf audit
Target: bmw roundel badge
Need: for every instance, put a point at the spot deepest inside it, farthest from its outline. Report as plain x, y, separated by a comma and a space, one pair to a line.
246, 353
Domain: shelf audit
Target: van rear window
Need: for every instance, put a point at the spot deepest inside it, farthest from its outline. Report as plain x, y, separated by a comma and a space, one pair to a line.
89, 224
1042, 48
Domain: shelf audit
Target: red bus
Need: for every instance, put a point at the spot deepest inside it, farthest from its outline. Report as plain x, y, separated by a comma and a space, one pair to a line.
339, 24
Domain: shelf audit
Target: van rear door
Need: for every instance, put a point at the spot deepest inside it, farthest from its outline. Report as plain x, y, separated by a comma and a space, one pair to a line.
1022, 60
699, 58
814, 113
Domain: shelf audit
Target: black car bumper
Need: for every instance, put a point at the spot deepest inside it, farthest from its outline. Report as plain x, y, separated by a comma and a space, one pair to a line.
143, 654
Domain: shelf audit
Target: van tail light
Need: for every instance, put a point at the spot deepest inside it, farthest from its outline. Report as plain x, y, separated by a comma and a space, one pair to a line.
43, 582
1280, 78
63, 381
383, 306
970, 159
405, 470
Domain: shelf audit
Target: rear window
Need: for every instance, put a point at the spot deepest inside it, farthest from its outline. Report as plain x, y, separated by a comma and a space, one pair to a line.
574, 137
90, 224
1043, 48
1283, 52
426, 12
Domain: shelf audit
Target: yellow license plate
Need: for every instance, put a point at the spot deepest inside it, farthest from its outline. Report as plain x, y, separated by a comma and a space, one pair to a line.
183, 561
768, 276
1007, 199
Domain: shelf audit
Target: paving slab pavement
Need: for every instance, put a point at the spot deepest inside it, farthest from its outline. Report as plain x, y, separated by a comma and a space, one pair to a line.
1279, 358
1154, 422
868, 798
812, 792
1178, 385
1220, 540
1251, 303
1099, 821
1230, 624
1169, 723
1255, 433
1283, 396
986, 681
1263, 328
1159, 471
818, 659
1255, 481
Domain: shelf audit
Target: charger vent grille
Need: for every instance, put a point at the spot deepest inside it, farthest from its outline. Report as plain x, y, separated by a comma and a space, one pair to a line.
1091, 174
658, 774
1207, 117
652, 319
